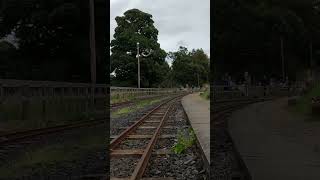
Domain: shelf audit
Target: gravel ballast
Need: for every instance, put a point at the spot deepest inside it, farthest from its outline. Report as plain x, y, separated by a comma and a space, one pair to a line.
187, 165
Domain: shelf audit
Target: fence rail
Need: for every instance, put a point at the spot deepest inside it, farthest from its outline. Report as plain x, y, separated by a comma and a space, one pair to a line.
49, 89
45, 103
235, 92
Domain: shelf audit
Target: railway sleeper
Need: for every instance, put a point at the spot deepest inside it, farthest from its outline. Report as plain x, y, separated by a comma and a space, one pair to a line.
138, 152
145, 136
150, 127
162, 178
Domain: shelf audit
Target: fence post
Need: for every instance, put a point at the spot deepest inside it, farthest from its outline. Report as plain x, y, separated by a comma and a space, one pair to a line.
25, 101
1, 91
1, 99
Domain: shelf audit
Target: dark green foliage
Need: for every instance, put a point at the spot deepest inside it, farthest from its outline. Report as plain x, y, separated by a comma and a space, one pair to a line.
53, 39
185, 141
247, 36
137, 26
188, 66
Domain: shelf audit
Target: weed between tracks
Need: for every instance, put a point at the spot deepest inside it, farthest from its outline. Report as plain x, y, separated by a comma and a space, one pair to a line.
185, 141
185, 162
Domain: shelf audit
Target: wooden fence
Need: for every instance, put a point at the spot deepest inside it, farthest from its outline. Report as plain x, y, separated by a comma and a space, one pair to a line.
49, 89
32, 104
64, 89
238, 92
119, 94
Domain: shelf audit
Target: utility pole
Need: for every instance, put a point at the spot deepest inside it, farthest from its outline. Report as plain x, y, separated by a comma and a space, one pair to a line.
138, 57
311, 59
198, 80
92, 52
282, 58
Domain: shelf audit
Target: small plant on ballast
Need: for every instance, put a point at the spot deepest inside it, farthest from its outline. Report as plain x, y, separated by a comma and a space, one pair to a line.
185, 140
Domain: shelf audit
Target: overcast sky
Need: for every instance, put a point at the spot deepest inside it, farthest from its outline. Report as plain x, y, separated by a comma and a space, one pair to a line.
180, 22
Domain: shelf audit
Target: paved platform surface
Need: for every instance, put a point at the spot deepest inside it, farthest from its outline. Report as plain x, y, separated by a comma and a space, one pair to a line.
276, 144
198, 112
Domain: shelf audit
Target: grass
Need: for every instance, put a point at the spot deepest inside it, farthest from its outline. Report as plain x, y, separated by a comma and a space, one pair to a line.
206, 94
137, 106
122, 111
59, 152
117, 98
303, 105
57, 111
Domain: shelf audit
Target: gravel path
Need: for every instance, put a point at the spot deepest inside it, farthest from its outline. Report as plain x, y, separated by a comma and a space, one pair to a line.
275, 143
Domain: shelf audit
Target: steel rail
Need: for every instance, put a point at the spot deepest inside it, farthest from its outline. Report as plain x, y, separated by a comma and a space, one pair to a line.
115, 105
146, 152
143, 162
20, 135
123, 135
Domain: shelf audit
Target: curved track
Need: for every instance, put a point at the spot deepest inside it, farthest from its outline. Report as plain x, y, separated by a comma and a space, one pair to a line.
152, 121
224, 140
13, 137
114, 106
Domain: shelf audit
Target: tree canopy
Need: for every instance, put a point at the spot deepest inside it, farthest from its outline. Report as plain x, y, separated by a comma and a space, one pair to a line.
189, 67
137, 26
248, 36
53, 39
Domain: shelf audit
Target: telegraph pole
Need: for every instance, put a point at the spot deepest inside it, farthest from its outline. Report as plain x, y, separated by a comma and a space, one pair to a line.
282, 58
198, 80
138, 57
311, 60
92, 52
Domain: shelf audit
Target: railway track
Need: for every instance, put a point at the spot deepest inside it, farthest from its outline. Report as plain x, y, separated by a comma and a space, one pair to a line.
238, 169
148, 129
120, 104
114, 106
13, 137
224, 108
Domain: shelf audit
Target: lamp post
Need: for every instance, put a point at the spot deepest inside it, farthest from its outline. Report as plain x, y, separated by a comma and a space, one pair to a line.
93, 52
282, 59
138, 57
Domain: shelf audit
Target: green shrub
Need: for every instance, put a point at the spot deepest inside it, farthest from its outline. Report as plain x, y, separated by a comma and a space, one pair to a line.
185, 140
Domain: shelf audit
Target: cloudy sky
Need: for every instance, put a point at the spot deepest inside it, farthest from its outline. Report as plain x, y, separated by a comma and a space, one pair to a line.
180, 22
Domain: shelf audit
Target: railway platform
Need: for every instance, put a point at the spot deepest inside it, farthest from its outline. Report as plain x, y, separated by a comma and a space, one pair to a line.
198, 112
276, 143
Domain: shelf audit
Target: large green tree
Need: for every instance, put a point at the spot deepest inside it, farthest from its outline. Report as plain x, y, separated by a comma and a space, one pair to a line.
190, 67
248, 35
53, 39
137, 26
